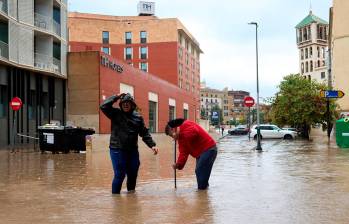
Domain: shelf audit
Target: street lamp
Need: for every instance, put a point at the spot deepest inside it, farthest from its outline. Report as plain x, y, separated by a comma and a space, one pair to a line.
259, 147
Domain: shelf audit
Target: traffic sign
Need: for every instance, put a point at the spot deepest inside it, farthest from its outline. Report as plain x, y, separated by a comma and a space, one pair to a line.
16, 103
248, 101
331, 93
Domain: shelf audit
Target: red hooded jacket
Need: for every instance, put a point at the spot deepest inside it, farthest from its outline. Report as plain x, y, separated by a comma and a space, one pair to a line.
193, 140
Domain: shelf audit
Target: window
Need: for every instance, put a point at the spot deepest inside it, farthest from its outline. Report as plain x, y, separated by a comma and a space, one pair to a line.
128, 53
185, 114
144, 52
311, 66
322, 75
302, 54
128, 38
105, 50
311, 52
171, 113
105, 37
3, 101
152, 116
180, 53
306, 53
143, 35
318, 63
143, 66
318, 52
306, 67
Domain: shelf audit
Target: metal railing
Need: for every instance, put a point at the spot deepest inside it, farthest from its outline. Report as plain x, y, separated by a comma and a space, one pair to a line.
3, 6
3, 50
47, 23
46, 62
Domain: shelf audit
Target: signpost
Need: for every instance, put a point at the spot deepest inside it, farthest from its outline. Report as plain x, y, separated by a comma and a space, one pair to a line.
249, 102
330, 94
15, 104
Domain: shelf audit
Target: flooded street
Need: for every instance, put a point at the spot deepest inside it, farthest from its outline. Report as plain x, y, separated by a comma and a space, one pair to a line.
289, 182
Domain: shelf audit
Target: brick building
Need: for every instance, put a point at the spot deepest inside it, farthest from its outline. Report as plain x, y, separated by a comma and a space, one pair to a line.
93, 76
161, 47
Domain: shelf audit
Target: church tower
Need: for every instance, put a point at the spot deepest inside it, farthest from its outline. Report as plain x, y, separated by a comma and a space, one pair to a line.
312, 42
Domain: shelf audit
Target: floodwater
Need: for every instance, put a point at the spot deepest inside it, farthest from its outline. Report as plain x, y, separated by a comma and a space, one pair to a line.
289, 182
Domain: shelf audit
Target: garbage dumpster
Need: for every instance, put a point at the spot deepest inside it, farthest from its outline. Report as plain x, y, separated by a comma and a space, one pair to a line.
78, 137
342, 132
53, 138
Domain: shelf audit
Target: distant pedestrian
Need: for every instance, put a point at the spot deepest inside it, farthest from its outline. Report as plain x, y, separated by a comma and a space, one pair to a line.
195, 141
126, 125
222, 127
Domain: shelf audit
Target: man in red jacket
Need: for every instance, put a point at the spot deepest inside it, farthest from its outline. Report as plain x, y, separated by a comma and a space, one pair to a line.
195, 141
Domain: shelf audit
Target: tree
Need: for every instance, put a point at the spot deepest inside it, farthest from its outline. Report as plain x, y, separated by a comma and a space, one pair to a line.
298, 104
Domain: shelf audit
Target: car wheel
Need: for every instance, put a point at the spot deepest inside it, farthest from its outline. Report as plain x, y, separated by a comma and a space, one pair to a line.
288, 137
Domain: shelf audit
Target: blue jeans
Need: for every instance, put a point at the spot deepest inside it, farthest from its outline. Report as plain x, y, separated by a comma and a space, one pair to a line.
203, 168
124, 163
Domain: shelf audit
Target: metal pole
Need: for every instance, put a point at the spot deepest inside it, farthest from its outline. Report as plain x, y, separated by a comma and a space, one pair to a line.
249, 123
328, 120
175, 170
259, 147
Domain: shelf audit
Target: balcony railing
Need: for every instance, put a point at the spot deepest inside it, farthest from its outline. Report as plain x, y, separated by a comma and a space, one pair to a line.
47, 63
47, 23
3, 50
3, 6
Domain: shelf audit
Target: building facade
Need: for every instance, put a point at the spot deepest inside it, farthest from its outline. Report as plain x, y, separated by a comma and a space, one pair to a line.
340, 51
312, 42
211, 98
239, 109
162, 47
33, 48
94, 76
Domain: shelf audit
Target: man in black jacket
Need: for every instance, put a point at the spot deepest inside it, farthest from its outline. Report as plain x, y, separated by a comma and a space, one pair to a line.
126, 125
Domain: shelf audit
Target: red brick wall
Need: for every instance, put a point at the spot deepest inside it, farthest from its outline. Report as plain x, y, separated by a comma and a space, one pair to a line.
143, 83
162, 57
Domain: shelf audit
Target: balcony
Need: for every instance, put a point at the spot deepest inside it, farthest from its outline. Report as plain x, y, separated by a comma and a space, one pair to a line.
45, 62
3, 6
3, 50
47, 24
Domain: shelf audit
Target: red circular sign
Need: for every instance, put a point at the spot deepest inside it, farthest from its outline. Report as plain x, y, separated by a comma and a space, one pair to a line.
248, 101
16, 103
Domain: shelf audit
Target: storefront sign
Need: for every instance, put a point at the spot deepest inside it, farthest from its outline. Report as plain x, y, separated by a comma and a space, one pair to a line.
106, 62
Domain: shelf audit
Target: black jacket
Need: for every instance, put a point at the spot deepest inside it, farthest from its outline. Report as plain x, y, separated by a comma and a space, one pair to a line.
125, 127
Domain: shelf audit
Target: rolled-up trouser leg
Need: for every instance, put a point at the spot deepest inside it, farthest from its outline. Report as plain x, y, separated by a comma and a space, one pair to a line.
132, 170
119, 166
204, 166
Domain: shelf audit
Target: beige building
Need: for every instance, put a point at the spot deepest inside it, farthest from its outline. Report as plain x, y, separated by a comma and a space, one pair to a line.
312, 42
213, 97
340, 50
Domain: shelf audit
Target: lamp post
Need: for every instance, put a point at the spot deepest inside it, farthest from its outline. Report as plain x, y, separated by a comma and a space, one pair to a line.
259, 147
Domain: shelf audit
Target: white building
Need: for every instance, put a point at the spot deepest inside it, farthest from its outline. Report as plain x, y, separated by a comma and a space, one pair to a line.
312, 42
33, 63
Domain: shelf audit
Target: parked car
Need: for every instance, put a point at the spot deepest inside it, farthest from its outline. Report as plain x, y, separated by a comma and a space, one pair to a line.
239, 130
272, 131
292, 129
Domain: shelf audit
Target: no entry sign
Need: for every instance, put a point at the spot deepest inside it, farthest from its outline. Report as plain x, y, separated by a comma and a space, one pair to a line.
248, 101
16, 103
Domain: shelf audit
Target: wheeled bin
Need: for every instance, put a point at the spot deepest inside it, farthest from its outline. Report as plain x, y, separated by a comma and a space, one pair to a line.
342, 132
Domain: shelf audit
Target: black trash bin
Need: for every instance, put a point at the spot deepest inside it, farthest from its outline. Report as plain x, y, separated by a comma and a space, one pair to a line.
53, 138
77, 136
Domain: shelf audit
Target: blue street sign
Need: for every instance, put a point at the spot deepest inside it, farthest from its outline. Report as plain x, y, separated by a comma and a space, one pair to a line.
331, 93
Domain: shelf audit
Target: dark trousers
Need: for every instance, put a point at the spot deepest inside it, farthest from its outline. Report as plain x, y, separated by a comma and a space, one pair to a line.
203, 168
124, 163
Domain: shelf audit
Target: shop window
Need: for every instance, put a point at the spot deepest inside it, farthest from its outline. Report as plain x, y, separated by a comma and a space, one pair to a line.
185, 114
3, 101
152, 116
171, 111
105, 50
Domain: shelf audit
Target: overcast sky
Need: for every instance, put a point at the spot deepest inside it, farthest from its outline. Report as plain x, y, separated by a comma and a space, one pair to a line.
226, 39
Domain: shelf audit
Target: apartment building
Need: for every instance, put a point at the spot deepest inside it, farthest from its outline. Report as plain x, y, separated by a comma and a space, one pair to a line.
312, 42
33, 48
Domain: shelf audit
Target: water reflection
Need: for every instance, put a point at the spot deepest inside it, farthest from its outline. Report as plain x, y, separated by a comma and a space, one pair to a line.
289, 182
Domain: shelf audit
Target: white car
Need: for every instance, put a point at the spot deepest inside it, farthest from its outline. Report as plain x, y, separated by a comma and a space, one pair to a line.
272, 131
